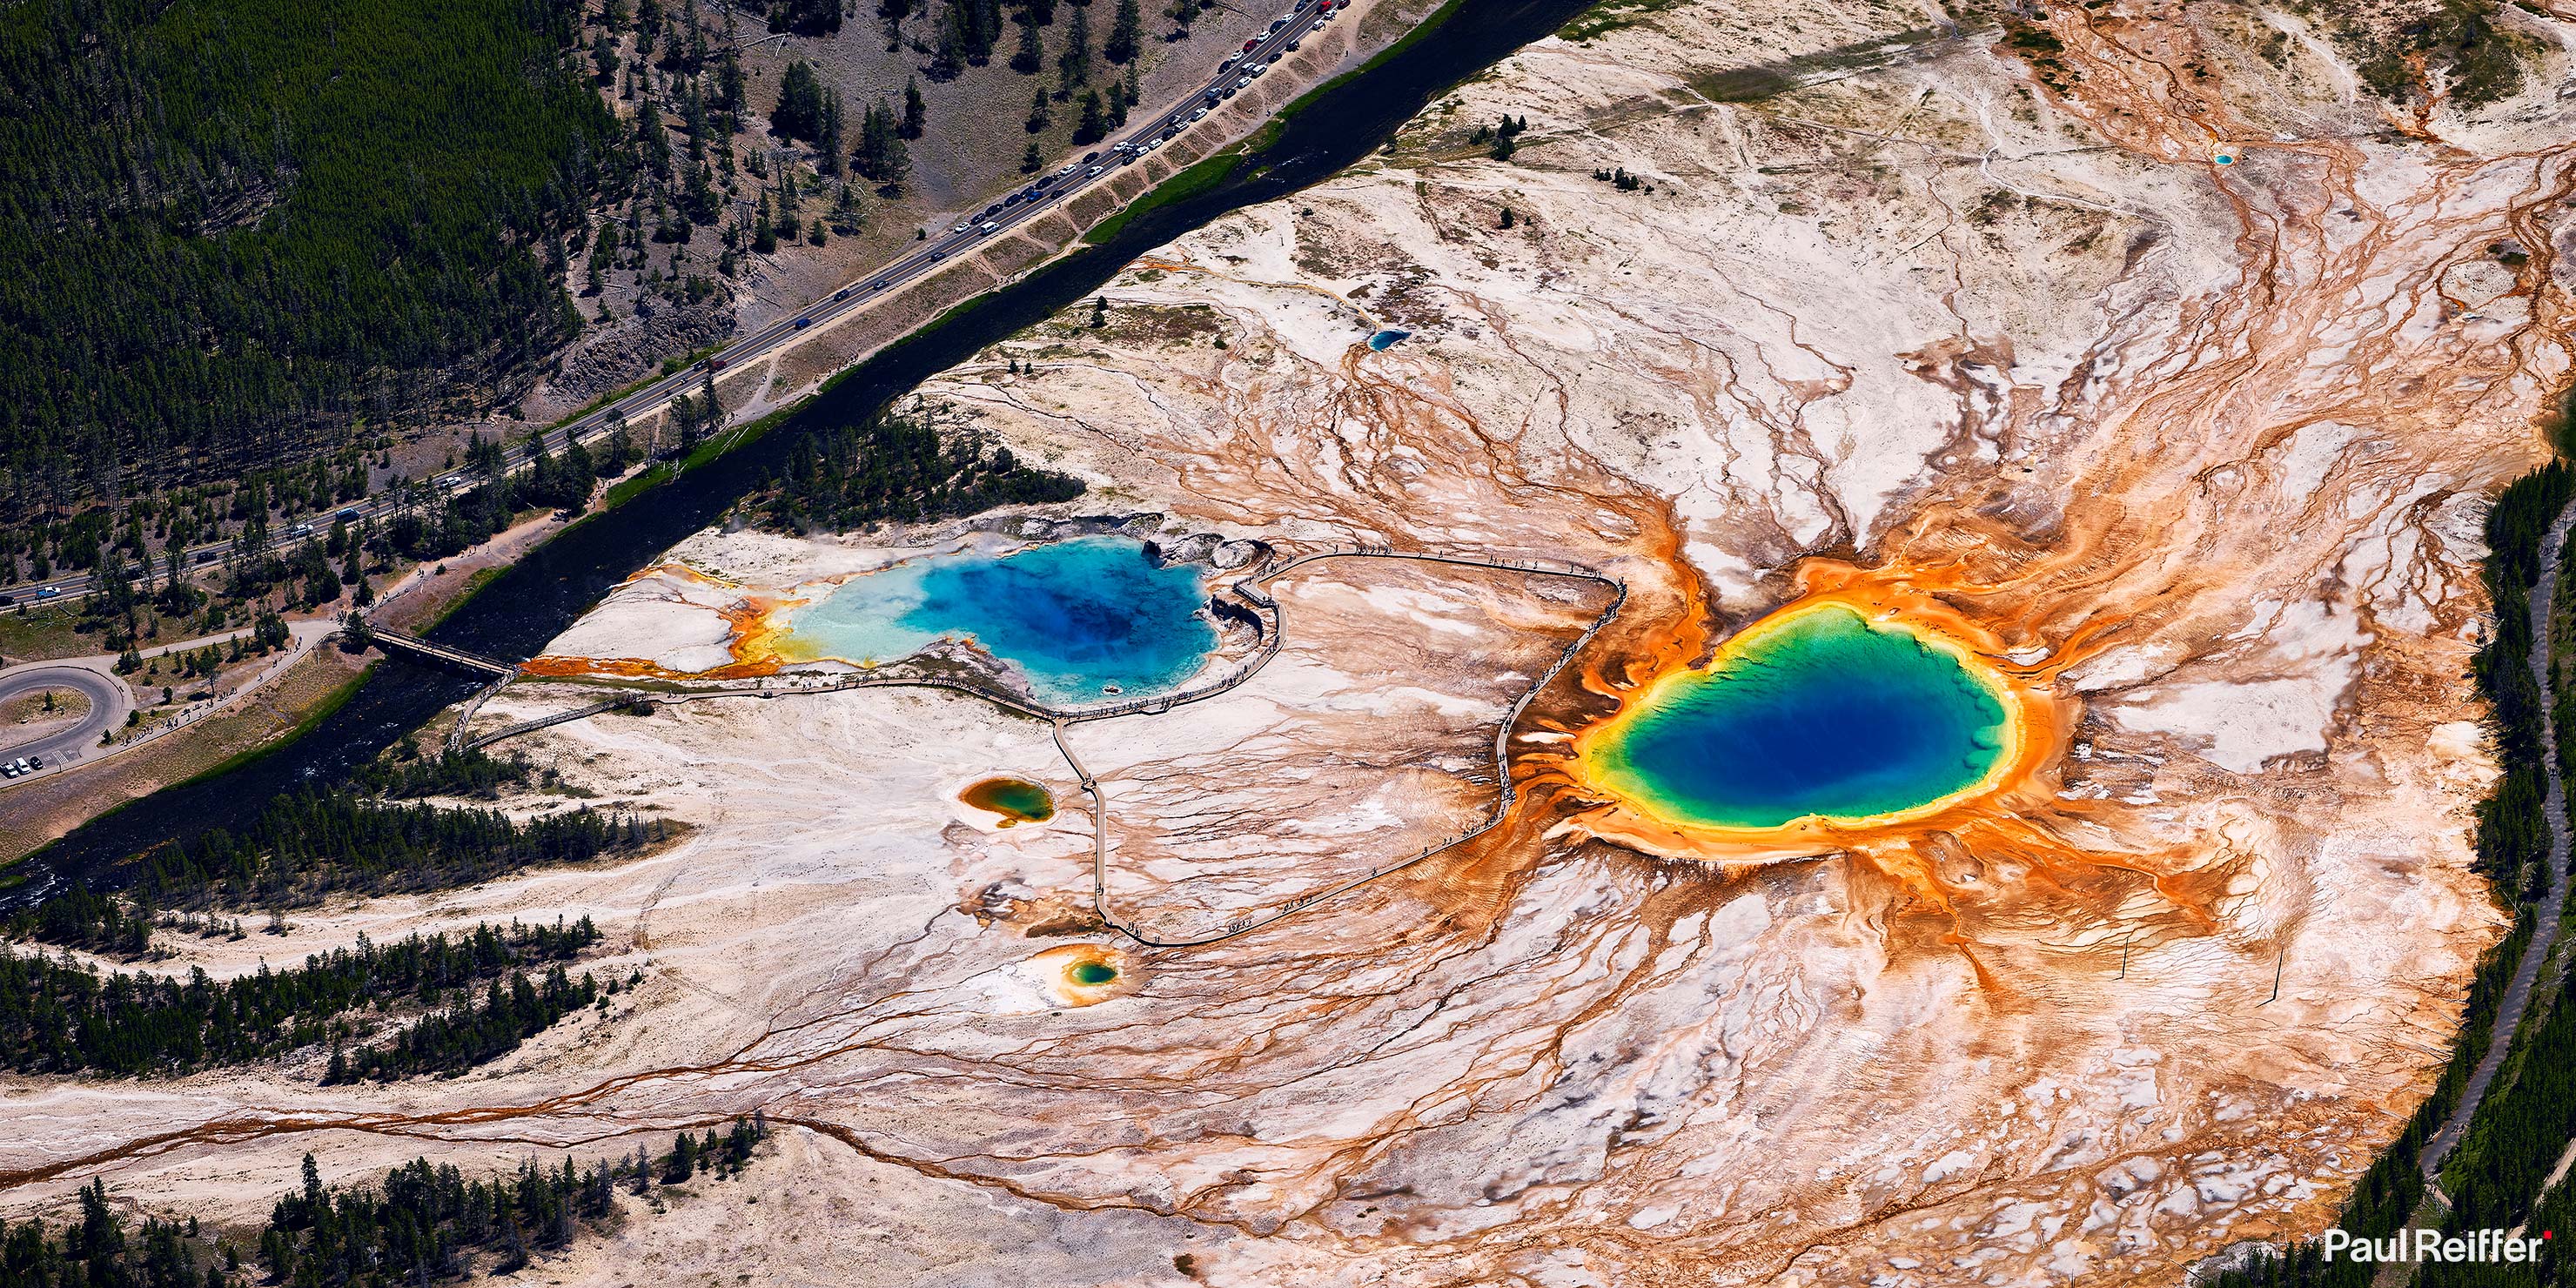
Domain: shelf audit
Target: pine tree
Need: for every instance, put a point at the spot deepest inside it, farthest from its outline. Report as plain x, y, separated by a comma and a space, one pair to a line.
1094, 124
1030, 58
846, 217
799, 114
1073, 65
830, 145
915, 115
1038, 119
948, 48
1125, 33
882, 155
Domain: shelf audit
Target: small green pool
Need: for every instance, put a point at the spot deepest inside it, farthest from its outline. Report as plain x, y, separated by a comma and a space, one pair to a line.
1017, 800
1094, 973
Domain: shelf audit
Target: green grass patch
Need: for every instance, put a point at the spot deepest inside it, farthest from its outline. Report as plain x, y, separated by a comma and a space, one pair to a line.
1609, 16
1430, 22
332, 701
474, 584
1204, 176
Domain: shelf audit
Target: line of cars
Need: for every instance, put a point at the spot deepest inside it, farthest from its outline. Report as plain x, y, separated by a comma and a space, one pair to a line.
22, 766
1324, 11
984, 223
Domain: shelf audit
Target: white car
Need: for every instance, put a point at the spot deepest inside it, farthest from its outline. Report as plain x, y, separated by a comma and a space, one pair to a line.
1319, 25
1094, 172
1202, 112
1260, 69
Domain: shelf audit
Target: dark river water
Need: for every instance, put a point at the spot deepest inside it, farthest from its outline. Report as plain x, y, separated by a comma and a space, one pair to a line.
529, 604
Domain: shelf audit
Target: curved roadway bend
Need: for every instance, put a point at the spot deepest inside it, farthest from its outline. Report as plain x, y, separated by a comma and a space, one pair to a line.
932, 255
2517, 995
109, 700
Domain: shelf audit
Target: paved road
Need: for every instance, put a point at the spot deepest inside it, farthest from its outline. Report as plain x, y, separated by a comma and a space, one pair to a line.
109, 700
70, 752
2517, 995
926, 259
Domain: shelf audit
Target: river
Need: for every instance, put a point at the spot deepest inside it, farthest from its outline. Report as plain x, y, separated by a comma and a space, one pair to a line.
535, 599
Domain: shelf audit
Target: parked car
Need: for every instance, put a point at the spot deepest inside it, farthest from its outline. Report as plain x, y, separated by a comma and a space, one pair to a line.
1094, 172
1199, 114
1252, 44
1291, 46
990, 229
1319, 26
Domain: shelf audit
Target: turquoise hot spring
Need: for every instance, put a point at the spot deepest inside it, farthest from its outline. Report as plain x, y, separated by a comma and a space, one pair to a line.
1817, 713
1081, 621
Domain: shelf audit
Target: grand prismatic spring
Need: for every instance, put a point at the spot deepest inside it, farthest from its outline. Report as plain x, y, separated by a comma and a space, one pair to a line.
1816, 713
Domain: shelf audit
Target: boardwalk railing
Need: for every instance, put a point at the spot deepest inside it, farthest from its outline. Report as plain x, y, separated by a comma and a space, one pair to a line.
396, 641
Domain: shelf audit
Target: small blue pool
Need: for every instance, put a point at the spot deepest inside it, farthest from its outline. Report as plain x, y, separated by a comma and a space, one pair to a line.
1386, 339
